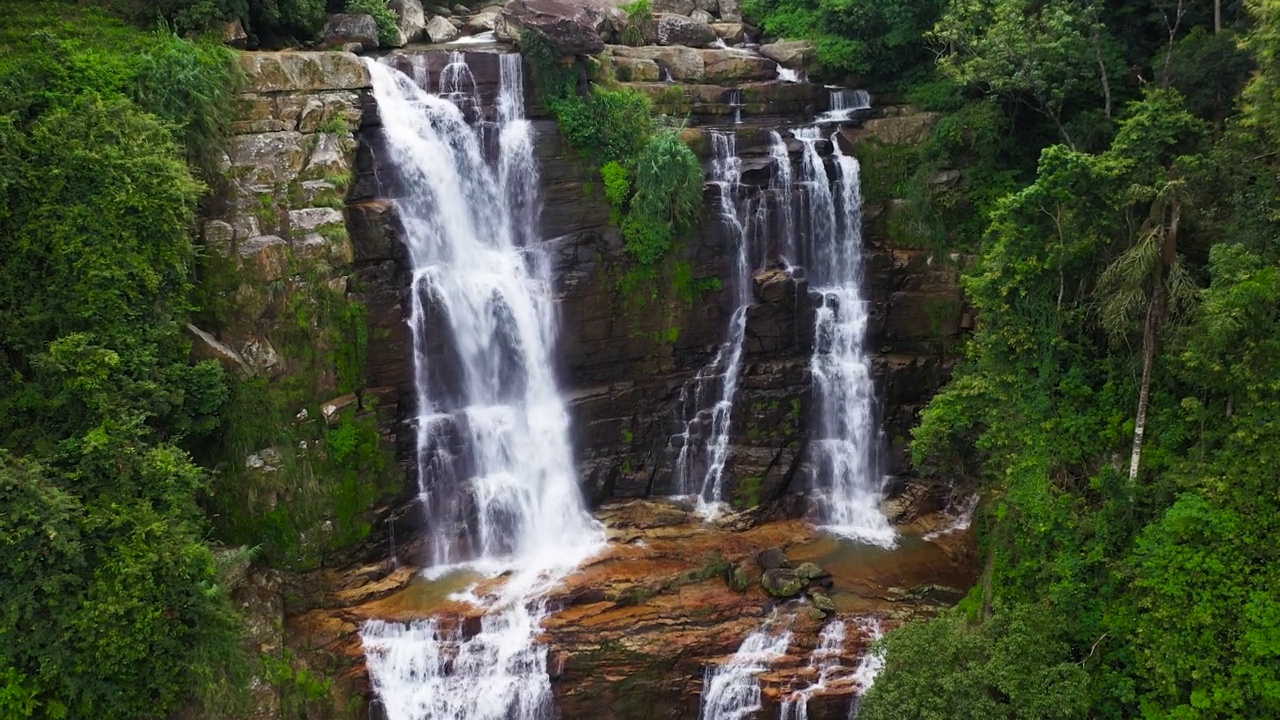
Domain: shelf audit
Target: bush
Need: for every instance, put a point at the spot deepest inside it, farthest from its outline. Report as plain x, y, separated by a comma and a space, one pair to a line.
1011, 667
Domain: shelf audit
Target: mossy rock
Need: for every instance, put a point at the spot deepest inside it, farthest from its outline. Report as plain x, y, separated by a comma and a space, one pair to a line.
782, 583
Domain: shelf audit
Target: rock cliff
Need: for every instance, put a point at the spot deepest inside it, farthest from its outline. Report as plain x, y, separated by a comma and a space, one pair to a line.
301, 223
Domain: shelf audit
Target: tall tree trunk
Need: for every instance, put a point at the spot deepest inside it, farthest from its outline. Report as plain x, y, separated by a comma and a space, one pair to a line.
1155, 314
1217, 16
1102, 68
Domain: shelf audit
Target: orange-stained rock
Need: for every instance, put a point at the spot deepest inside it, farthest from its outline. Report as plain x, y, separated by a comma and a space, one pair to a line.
633, 630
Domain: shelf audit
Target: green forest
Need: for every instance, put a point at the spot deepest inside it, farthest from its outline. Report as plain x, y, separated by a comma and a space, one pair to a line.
1117, 406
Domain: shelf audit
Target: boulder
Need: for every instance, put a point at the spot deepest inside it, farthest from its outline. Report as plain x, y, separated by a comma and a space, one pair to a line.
276, 72
233, 34
410, 18
572, 27
346, 28
635, 69
731, 33
815, 614
702, 16
910, 129
789, 53
440, 30
782, 583
460, 9
729, 67
822, 602
684, 64
485, 20
672, 29
811, 571
773, 285
708, 6
773, 559
731, 10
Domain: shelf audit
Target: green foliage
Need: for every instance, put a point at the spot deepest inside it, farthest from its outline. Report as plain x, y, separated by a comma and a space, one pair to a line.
1159, 590
617, 186
270, 21
652, 180
639, 15
191, 86
668, 180
1012, 666
112, 604
880, 40
388, 30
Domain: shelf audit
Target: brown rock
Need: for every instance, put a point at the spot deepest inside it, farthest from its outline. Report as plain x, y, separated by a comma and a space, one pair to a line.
274, 72
344, 28
571, 26
440, 30
672, 29
731, 67
732, 33
772, 559
790, 53
410, 19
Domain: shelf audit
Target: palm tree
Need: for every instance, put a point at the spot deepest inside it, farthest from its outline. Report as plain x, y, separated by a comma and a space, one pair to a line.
1147, 280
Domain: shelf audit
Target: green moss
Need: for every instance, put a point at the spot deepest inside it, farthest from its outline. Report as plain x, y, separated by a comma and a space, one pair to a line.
747, 492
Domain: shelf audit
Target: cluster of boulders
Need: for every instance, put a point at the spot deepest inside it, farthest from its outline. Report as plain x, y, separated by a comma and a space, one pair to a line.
415, 22
783, 581
586, 26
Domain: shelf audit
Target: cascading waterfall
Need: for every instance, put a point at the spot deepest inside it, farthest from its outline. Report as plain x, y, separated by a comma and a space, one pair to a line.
731, 691
726, 174
825, 661
494, 464
845, 440
869, 667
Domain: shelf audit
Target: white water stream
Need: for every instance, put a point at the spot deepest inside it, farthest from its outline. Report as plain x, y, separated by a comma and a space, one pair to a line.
845, 438
731, 691
494, 464
723, 372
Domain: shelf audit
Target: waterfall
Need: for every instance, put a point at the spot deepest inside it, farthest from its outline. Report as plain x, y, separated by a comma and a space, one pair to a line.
825, 661
961, 518
421, 671
735, 103
731, 691
726, 174
494, 466
782, 188
845, 439
869, 667
844, 103
789, 75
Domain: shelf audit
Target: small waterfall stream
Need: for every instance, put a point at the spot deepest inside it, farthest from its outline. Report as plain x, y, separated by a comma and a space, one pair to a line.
494, 464
731, 691
825, 661
723, 371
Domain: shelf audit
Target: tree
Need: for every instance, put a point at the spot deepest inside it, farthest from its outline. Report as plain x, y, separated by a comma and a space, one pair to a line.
1148, 280
1026, 51
1010, 667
